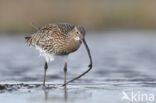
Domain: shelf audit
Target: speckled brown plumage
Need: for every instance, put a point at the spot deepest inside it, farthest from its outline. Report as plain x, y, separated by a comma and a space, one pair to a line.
54, 39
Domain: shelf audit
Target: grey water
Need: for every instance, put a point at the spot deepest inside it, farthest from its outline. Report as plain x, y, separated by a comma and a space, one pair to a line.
124, 61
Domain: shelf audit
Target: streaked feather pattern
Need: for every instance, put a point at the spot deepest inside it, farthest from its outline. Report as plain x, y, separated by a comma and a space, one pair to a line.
54, 39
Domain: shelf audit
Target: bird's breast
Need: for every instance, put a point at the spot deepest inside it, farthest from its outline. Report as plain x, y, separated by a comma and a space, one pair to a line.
73, 45
67, 47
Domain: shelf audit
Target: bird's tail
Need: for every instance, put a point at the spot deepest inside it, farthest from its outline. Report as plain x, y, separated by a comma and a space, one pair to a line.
28, 40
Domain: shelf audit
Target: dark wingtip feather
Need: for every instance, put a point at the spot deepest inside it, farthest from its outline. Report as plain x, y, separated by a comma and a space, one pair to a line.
28, 40
27, 37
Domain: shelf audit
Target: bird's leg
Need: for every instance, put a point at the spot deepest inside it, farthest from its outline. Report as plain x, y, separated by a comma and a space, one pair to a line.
65, 73
45, 71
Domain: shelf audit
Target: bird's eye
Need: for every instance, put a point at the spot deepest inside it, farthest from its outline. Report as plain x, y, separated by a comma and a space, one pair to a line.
77, 32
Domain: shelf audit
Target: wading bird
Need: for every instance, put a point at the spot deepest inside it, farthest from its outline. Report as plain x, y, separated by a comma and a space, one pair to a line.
59, 40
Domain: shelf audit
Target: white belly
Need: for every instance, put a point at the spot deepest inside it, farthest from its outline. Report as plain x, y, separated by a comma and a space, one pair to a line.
48, 57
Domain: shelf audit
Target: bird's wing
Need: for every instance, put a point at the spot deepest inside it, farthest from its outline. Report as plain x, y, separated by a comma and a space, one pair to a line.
48, 28
48, 34
63, 28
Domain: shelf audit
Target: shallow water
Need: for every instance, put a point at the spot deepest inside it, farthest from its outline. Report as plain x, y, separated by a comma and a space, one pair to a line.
124, 61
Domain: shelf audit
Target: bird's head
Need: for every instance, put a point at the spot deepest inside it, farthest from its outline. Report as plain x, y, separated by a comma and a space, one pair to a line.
81, 30
78, 33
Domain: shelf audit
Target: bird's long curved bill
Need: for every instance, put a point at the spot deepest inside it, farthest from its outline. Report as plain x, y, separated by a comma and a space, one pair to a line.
90, 65
88, 51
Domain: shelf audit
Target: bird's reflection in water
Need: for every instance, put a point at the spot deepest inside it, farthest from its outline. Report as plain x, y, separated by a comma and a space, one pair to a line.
46, 93
65, 93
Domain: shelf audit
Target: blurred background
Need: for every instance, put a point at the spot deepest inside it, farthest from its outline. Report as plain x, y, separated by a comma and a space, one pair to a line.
113, 27
123, 32
120, 34
17, 15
